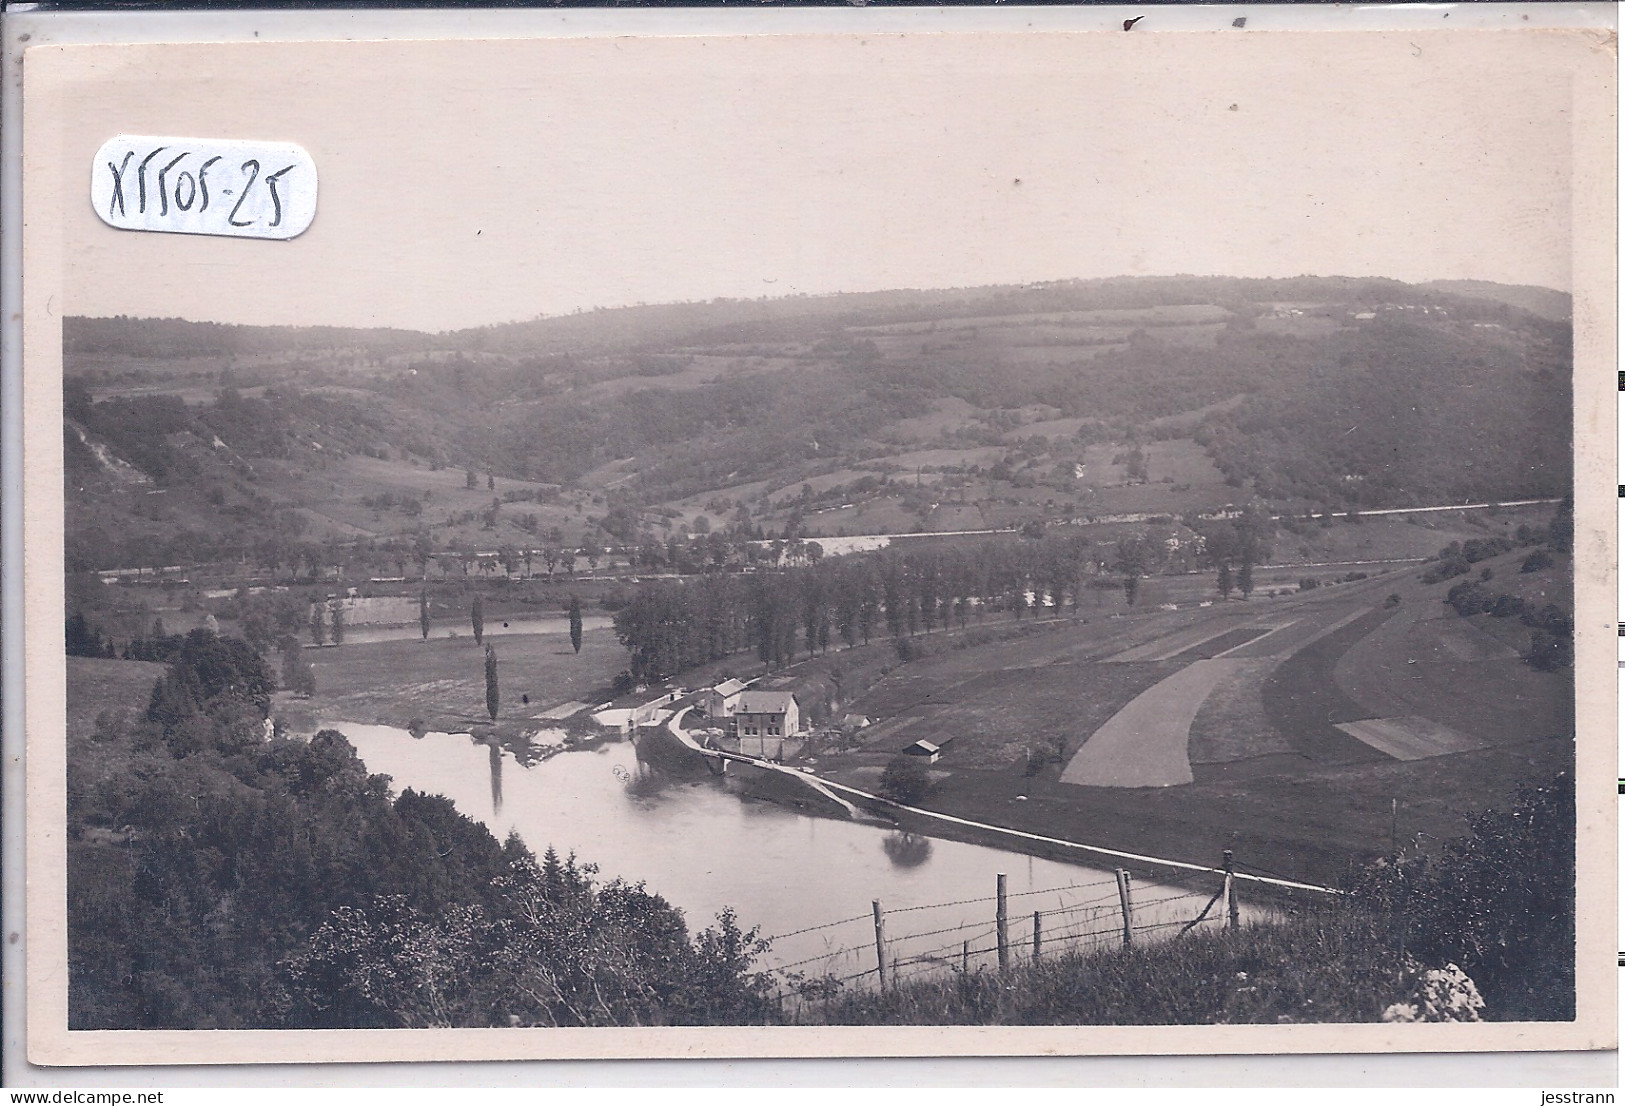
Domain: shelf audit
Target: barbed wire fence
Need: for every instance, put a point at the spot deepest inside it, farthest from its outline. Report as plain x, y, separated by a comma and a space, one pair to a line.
858, 955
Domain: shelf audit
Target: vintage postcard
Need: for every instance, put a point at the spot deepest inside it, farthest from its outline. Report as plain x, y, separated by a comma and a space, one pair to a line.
997, 542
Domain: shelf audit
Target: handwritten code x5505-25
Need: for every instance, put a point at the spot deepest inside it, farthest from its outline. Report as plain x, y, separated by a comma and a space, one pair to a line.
228, 187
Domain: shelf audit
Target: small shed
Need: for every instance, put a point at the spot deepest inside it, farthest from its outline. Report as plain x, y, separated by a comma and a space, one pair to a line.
931, 750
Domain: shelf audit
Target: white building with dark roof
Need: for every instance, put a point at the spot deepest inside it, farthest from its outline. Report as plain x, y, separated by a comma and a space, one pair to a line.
763, 720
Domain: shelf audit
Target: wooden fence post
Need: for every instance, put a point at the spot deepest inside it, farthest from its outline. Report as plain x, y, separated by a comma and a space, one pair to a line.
1038, 935
1128, 906
1003, 927
1232, 910
964, 957
880, 944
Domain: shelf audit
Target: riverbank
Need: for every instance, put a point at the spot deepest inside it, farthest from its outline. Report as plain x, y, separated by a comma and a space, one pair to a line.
810, 794
1312, 828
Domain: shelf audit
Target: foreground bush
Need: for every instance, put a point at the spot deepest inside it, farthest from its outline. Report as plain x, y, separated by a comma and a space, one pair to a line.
1333, 968
1498, 902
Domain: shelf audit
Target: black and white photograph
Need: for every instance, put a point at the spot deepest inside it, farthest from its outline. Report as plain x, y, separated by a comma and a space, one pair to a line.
820, 544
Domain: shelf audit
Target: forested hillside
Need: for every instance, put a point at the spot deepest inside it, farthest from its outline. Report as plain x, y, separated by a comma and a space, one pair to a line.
878, 412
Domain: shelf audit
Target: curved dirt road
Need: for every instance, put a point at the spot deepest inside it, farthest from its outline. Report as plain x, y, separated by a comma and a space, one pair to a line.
1147, 743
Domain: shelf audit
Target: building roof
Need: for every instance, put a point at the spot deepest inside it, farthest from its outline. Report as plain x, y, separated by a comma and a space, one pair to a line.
765, 702
729, 687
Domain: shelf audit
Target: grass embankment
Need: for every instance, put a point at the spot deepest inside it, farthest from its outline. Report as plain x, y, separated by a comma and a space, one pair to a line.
1329, 969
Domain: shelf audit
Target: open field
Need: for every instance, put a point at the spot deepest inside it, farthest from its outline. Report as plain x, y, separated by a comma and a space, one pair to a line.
1158, 499
999, 716
1294, 744
442, 681
947, 414
1463, 672
95, 685
1304, 825
1231, 724
1182, 461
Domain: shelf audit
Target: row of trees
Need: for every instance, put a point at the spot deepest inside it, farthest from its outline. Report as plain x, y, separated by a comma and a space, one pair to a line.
671, 625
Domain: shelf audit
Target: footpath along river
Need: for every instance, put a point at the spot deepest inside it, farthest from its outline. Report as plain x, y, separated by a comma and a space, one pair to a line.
703, 845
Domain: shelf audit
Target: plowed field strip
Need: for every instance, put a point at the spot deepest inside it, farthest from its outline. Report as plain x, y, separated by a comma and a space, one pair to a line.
1411, 738
1299, 635
1216, 646
1305, 704
1174, 644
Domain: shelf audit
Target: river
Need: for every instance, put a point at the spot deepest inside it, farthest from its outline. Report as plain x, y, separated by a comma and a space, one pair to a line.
703, 845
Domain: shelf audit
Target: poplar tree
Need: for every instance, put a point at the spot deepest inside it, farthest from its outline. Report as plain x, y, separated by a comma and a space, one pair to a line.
476, 615
491, 696
575, 623
423, 613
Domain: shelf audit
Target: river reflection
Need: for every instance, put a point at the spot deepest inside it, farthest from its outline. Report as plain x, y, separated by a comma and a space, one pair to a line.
496, 780
704, 844
907, 850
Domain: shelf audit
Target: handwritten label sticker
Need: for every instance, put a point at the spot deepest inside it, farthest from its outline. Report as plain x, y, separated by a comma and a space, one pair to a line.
204, 186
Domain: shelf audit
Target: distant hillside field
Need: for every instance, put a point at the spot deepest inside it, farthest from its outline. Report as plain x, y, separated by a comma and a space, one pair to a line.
866, 413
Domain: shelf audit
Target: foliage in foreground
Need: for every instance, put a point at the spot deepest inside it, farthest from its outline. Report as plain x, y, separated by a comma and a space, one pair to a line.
1308, 970
220, 882
1498, 903
557, 950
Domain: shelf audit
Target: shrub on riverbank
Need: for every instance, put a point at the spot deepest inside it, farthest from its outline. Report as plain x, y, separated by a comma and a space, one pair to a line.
906, 779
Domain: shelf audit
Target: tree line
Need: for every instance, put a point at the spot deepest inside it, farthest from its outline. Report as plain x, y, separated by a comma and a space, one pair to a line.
670, 625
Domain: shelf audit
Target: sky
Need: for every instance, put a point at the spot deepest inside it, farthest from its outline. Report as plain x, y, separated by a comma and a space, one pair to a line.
475, 182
